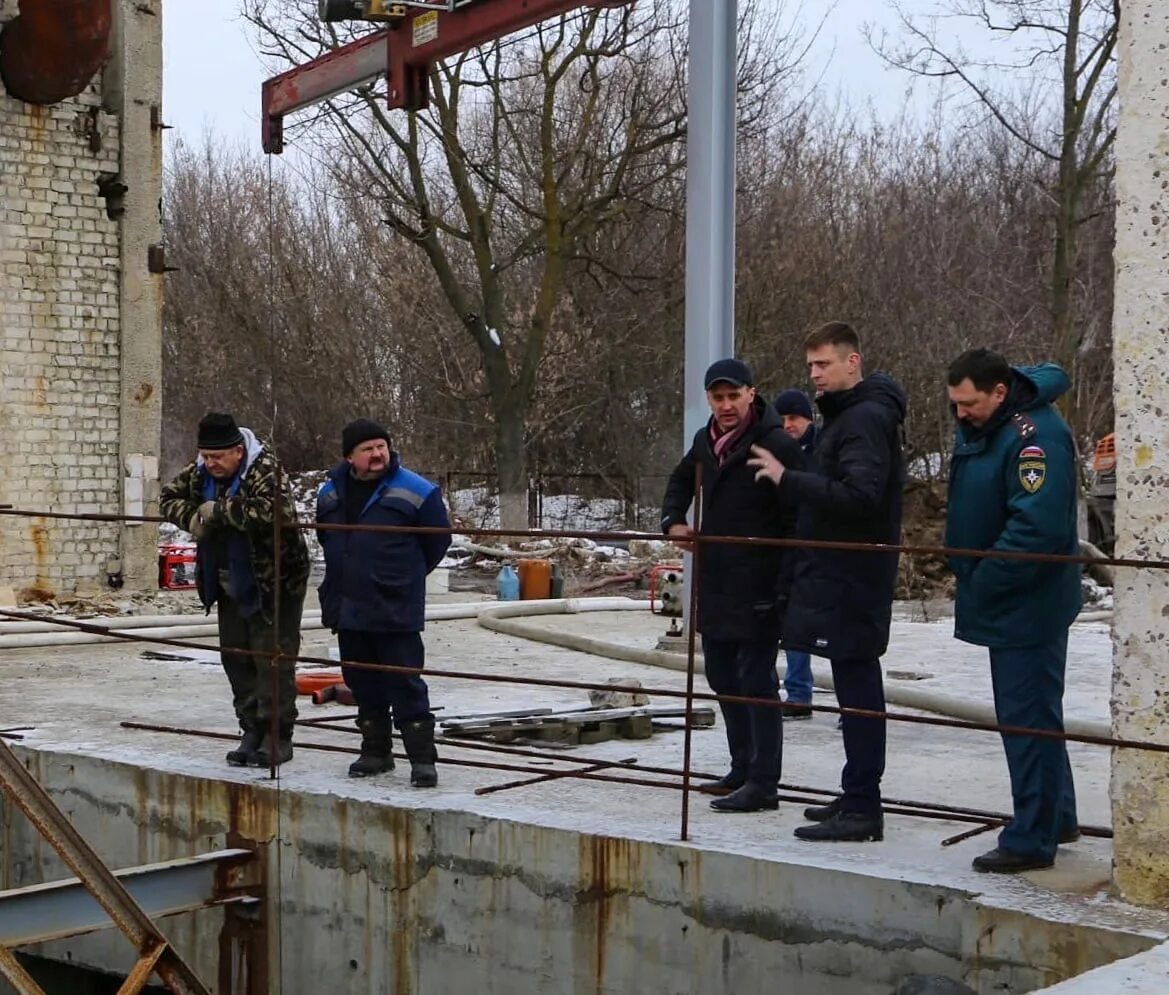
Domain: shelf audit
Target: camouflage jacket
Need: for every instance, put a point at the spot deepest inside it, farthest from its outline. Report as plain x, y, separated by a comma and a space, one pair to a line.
251, 510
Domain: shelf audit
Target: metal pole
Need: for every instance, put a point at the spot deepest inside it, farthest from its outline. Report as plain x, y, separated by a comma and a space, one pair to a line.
710, 210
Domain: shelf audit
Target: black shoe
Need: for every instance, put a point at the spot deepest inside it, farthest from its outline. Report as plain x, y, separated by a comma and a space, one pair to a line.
730, 781
998, 861
249, 743
749, 798
844, 827
263, 756
822, 813
1069, 836
796, 712
418, 739
376, 746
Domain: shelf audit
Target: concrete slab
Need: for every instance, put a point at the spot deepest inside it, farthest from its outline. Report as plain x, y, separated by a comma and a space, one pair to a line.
854, 914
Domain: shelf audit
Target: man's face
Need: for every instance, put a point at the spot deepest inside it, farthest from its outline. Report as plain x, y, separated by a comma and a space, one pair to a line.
729, 404
832, 368
369, 459
222, 463
975, 406
796, 425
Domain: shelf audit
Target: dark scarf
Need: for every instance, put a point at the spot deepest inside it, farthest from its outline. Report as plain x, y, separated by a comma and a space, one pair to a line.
722, 442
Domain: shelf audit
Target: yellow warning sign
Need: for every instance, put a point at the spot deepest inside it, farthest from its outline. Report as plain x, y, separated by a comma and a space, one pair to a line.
425, 27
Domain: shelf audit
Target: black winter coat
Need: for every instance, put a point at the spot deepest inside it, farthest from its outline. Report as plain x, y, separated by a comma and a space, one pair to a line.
741, 589
841, 601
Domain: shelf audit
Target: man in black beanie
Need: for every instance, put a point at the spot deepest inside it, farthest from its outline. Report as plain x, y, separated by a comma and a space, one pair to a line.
227, 500
374, 593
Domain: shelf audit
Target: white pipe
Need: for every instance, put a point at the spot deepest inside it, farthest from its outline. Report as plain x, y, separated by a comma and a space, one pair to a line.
47, 634
501, 619
504, 617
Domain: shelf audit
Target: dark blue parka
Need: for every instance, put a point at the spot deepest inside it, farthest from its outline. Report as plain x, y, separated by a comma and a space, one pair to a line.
841, 601
376, 581
1013, 486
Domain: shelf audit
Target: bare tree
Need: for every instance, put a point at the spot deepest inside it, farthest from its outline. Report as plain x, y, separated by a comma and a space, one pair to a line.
532, 148
1061, 54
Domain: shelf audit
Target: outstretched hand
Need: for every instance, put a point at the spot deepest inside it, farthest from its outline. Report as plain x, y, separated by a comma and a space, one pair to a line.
767, 464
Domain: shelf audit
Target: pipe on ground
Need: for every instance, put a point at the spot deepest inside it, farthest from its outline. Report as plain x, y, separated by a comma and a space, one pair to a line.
52, 49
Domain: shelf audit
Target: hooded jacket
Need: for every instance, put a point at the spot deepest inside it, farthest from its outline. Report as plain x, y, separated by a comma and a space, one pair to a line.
741, 589
246, 529
1013, 486
841, 601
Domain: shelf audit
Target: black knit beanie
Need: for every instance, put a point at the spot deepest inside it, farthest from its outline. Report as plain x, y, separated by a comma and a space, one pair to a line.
361, 430
219, 431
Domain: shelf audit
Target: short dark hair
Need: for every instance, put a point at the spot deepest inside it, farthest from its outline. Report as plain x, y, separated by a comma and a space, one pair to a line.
984, 368
835, 333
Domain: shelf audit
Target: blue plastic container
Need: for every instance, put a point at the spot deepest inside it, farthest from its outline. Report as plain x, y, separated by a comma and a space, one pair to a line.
507, 584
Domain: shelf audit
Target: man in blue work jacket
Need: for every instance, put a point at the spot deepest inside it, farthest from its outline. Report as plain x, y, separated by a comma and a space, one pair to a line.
374, 593
1013, 487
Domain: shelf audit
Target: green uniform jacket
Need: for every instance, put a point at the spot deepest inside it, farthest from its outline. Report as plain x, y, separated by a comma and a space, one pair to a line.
1013, 486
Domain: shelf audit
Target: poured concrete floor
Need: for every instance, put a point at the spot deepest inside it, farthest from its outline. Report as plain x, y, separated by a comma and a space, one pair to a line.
75, 698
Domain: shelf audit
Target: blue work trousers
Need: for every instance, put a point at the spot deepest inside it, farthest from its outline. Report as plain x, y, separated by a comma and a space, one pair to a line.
379, 692
1028, 692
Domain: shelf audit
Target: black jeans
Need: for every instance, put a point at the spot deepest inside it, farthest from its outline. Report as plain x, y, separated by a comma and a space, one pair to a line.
251, 675
754, 733
859, 685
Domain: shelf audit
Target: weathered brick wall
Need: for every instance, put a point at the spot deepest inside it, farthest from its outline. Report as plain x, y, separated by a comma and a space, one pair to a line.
59, 332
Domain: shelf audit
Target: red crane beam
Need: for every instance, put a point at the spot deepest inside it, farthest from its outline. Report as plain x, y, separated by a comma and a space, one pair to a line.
404, 54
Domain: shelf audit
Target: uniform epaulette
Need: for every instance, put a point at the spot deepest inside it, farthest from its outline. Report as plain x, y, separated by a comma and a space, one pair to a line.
1023, 425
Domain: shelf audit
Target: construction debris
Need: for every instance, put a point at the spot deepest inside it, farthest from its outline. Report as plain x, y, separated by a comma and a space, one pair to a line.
576, 726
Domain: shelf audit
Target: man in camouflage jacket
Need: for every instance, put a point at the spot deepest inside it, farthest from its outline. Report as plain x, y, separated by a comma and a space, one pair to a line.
227, 500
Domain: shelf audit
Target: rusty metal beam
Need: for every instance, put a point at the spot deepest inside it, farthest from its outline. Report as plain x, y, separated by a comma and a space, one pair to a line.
334, 72
27, 794
17, 976
66, 908
403, 53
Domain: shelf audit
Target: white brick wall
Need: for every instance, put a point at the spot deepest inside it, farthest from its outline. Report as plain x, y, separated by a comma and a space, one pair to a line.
59, 341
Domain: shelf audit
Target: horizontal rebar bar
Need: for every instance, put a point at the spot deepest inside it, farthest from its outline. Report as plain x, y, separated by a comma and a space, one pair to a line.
934, 720
792, 793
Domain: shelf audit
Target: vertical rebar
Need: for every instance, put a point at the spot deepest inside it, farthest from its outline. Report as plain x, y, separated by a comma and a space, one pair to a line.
274, 663
695, 556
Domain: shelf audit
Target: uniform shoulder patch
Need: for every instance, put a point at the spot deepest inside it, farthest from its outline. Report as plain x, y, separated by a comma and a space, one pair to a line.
1032, 468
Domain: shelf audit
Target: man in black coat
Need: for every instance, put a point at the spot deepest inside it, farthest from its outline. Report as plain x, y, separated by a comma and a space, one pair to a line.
841, 602
740, 588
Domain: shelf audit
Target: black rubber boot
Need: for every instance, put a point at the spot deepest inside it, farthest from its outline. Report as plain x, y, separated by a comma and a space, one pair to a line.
418, 739
283, 748
376, 744
249, 743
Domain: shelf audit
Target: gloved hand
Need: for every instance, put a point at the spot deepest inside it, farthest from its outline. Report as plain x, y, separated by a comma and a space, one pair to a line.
203, 520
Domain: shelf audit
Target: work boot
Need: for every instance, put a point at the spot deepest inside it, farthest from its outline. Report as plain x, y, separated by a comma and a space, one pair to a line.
731, 781
283, 747
822, 813
999, 861
249, 743
376, 744
751, 797
418, 739
850, 827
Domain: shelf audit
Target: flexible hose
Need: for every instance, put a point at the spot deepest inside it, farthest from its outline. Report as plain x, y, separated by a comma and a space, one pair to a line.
506, 618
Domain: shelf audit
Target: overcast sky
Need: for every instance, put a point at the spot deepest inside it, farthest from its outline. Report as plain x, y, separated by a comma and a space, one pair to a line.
212, 73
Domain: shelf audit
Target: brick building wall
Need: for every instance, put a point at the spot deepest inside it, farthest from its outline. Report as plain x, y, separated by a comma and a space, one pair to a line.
61, 336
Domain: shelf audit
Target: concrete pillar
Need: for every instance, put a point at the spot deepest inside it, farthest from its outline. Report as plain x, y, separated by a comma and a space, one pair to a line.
1140, 682
134, 92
